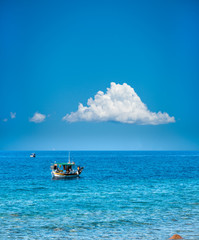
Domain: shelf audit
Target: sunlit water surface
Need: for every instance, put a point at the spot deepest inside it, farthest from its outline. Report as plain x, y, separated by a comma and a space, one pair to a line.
120, 195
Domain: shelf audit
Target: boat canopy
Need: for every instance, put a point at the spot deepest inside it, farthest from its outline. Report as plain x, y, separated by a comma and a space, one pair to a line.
66, 164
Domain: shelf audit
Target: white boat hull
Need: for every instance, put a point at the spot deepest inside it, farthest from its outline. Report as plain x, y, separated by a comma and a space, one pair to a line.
64, 175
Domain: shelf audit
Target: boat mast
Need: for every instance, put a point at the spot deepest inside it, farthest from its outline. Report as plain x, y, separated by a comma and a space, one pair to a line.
69, 158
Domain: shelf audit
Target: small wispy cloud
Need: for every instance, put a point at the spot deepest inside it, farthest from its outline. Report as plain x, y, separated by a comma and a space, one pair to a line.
13, 115
38, 118
120, 104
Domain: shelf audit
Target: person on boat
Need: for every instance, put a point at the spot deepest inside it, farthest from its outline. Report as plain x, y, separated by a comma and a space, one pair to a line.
68, 169
55, 167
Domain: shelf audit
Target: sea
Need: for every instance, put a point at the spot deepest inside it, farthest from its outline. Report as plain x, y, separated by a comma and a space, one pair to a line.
147, 195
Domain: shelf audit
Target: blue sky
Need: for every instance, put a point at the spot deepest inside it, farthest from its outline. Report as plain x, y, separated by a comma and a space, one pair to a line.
57, 54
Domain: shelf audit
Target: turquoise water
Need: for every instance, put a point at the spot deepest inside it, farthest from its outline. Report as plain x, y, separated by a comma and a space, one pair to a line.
120, 195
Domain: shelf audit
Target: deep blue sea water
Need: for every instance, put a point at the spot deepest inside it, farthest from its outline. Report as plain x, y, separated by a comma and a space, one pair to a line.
120, 195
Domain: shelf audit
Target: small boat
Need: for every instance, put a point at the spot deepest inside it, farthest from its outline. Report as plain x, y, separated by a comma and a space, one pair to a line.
33, 155
65, 170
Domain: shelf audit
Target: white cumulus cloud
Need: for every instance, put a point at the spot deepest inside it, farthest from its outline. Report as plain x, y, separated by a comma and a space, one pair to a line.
120, 104
38, 118
12, 115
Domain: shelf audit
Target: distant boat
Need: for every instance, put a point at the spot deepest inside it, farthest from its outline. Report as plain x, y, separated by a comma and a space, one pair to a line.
33, 155
65, 170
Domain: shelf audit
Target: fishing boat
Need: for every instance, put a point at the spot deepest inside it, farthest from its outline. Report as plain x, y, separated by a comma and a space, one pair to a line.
33, 155
65, 170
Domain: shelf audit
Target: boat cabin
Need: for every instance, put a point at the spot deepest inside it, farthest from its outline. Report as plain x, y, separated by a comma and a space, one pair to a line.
64, 167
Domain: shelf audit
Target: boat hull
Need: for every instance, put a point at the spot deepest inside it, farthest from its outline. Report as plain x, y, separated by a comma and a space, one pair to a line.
64, 175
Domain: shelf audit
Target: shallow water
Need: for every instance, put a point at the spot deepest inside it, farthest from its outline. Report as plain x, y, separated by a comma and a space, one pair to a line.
120, 195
